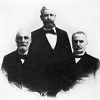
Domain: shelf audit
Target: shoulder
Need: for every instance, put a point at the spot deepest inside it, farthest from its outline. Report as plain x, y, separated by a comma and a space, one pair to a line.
92, 58
37, 31
9, 59
60, 30
10, 55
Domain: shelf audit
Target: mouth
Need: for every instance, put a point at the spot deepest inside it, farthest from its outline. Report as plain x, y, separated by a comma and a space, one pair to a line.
22, 45
78, 48
49, 21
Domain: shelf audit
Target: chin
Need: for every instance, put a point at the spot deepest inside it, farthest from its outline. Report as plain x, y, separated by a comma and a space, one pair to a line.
50, 25
79, 52
23, 49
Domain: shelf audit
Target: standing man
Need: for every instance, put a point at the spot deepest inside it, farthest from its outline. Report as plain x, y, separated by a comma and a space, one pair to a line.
50, 43
15, 62
85, 64
52, 47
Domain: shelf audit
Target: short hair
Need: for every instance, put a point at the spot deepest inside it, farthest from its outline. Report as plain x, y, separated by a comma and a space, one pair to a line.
22, 31
42, 9
47, 8
79, 32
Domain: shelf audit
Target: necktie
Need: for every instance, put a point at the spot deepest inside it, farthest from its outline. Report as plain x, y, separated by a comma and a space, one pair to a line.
50, 31
77, 56
23, 56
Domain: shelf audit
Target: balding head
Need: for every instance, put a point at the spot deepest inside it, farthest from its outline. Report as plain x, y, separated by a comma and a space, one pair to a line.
23, 40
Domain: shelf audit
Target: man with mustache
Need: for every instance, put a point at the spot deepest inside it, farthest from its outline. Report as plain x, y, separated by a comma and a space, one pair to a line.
85, 64
52, 47
14, 64
50, 43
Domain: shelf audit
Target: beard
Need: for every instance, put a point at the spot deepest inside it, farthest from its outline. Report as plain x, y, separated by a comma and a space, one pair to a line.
49, 24
22, 49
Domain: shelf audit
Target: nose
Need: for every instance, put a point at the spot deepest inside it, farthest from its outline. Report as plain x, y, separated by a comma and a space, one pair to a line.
48, 17
78, 43
23, 40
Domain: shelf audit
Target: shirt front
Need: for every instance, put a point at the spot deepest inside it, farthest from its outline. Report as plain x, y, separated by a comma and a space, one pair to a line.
52, 38
77, 60
23, 60
78, 57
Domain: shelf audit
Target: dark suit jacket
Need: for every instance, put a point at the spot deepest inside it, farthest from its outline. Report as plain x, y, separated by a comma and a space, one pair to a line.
14, 68
28, 74
41, 47
87, 65
51, 61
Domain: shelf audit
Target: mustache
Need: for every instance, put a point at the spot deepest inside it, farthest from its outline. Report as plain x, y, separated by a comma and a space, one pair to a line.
78, 47
49, 21
21, 44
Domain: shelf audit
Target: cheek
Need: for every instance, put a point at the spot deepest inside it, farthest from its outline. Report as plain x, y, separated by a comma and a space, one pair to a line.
45, 18
83, 45
75, 45
27, 44
53, 18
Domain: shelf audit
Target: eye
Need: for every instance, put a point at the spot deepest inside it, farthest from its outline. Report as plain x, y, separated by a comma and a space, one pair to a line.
25, 37
19, 38
51, 15
45, 15
81, 41
75, 41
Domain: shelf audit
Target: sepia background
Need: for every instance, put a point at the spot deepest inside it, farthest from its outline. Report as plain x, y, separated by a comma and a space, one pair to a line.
71, 16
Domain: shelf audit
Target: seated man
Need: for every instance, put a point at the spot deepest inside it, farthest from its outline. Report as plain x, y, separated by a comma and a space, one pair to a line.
85, 64
13, 63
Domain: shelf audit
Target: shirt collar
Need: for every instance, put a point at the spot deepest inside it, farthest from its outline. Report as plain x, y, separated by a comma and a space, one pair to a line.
79, 55
50, 29
22, 53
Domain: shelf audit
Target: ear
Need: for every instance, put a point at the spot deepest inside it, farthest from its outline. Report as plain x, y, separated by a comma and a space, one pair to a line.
87, 43
55, 16
30, 40
16, 39
41, 17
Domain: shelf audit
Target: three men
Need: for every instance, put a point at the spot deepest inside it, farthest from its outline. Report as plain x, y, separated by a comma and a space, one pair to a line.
42, 62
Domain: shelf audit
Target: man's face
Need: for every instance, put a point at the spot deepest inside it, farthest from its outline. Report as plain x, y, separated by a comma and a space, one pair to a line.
23, 40
48, 18
79, 43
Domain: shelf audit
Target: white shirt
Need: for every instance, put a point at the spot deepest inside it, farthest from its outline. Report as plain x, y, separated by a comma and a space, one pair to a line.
77, 60
52, 39
22, 60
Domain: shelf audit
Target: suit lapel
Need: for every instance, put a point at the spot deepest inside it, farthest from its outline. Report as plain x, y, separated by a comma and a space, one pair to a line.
17, 59
45, 42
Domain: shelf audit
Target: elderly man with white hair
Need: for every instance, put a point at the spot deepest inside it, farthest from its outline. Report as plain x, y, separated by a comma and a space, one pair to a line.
14, 62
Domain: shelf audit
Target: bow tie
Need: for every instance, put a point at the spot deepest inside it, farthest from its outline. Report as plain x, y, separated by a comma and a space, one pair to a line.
50, 31
76, 56
23, 56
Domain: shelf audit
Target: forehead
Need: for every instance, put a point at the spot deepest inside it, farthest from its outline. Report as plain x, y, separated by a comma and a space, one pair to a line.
23, 33
79, 37
48, 11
